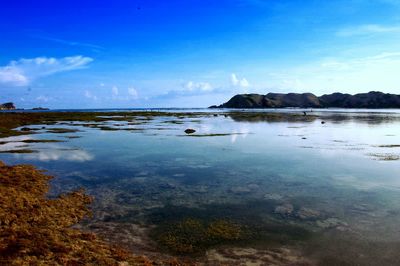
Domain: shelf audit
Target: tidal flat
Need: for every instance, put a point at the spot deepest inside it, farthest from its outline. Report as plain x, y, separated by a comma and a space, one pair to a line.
262, 187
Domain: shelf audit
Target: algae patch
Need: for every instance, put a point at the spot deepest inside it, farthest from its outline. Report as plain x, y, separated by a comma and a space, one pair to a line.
36, 230
193, 235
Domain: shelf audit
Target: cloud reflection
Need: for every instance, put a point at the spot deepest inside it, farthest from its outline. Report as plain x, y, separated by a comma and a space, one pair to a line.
243, 132
58, 155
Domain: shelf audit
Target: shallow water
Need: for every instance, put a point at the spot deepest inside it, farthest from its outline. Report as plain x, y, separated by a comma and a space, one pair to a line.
328, 190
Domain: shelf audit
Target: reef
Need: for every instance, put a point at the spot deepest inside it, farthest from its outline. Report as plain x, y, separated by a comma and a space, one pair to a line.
37, 230
193, 235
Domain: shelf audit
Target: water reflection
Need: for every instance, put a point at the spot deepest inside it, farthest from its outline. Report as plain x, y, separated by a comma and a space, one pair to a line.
57, 154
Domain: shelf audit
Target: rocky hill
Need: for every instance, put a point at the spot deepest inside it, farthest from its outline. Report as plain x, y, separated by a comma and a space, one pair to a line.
7, 106
371, 99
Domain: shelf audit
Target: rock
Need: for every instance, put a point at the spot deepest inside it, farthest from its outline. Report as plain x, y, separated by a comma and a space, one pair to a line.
7, 106
331, 223
273, 196
284, 210
253, 186
190, 131
322, 122
26, 129
240, 190
371, 99
307, 214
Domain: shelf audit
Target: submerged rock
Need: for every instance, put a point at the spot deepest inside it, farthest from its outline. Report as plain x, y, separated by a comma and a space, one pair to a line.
240, 190
253, 186
284, 210
307, 214
273, 196
190, 131
331, 223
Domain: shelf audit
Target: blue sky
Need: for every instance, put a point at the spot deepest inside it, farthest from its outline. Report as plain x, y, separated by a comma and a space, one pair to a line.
193, 53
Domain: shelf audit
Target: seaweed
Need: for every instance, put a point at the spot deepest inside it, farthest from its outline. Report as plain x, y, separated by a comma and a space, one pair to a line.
192, 231
19, 151
384, 156
36, 230
192, 235
62, 130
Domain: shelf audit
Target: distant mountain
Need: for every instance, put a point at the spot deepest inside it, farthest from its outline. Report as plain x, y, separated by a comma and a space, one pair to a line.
371, 99
7, 106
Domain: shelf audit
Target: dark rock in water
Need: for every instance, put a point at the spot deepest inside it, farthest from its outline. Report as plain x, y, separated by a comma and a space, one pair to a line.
26, 129
190, 131
322, 122
371, 99
7, 106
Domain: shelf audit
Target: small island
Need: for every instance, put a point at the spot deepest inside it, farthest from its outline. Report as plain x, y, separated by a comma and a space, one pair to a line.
373, 99
7, 106
40, 109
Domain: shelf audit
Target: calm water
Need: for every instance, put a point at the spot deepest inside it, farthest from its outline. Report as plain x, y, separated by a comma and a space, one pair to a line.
339, 181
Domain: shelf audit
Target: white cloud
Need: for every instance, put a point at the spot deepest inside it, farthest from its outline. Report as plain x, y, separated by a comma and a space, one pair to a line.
133, 94
89, 95
237, 82
43, 98
198, 86
351, 75
23, 71
115, 91
367, 30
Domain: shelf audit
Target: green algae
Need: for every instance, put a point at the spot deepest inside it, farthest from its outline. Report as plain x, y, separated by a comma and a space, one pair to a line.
19, 151
40, 141
211, 135
389, 146
192, 235
384, 156
62, 130
184, 230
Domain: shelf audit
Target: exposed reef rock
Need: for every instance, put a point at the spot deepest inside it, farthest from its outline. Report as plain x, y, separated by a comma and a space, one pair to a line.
7, 106
308, 100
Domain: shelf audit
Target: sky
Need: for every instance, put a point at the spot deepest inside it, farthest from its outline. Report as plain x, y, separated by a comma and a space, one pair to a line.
193, 53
